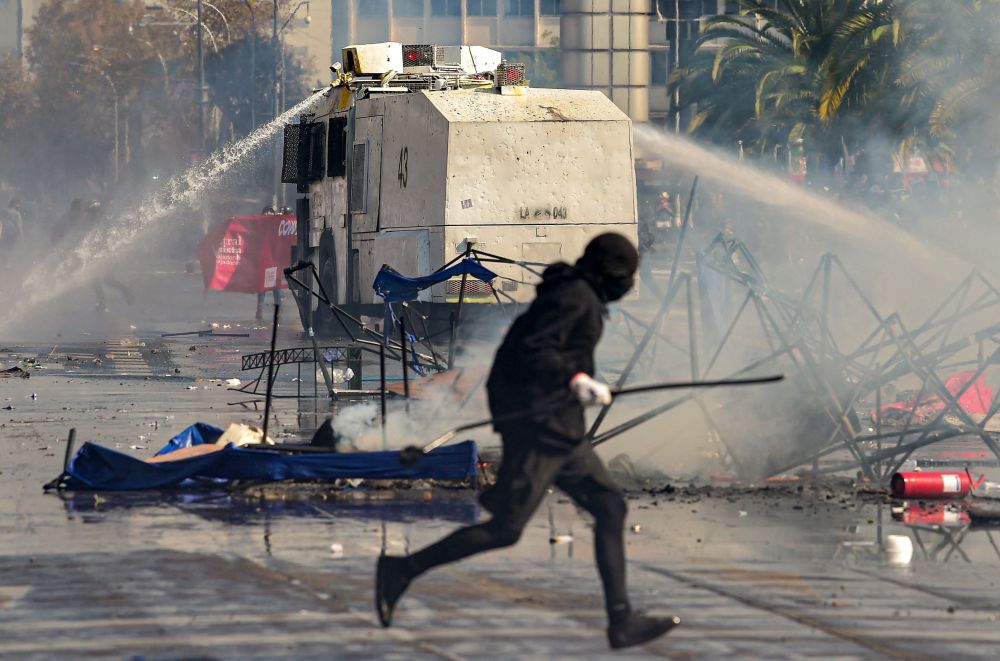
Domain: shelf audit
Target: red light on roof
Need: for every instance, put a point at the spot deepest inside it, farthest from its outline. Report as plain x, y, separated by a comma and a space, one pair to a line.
412, 56
512, 74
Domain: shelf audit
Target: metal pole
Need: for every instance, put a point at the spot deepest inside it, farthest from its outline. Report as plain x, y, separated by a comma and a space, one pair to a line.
677, 64
281, 97
253, 76
683, 233
878, 420
402, 344
451, 340
253, 64
20, 34
457, 319
116, 130
274, 95
70, 444
692, 333
201, 83
381, 380
270, 372
411, 454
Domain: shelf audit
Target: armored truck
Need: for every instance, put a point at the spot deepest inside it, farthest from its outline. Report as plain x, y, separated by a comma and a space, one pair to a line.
418, 154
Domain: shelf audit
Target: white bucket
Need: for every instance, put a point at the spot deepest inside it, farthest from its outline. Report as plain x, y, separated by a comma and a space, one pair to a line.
898, 550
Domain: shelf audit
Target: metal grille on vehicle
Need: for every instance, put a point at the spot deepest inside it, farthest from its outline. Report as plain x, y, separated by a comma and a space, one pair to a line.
290, 155
303, 159
359, 203
473, 287
418, 56
510, 73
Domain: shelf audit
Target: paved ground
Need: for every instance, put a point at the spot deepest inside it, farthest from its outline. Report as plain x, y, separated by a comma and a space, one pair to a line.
777, 573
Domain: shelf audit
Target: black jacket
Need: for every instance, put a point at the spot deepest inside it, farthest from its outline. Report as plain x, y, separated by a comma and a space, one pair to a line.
553, 340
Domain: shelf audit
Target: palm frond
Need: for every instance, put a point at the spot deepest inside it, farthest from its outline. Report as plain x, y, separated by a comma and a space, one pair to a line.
833, 95
955, 102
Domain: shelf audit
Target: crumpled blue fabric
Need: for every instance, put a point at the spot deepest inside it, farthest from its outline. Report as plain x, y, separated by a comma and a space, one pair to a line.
393, 286
99, 468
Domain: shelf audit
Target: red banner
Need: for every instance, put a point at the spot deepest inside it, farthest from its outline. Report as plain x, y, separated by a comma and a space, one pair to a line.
248, 253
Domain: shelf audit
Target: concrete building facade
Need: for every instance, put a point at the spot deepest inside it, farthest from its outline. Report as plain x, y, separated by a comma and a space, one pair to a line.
10, 27
309, 37
15, 18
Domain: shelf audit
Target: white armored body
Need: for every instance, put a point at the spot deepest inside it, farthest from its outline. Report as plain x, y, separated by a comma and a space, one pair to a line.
417, 153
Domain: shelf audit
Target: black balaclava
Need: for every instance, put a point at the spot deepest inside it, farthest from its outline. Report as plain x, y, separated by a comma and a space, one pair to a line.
610, 260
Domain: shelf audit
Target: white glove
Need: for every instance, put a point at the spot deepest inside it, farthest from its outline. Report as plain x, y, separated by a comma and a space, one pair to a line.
588, 391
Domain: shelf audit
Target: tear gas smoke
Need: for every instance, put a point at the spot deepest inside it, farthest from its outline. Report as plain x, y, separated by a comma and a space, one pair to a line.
899, 271
760, 427
683, 442
678, 442
853, 230
440, 407
54, 276
354, 424
422, 421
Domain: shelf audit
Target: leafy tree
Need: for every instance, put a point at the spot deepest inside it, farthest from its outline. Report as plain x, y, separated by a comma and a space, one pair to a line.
244, 95
87, 57
952, 76
15, 98
545, 65
791, 70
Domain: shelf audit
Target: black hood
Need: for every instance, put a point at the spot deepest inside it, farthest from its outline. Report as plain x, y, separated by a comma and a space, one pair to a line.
556, 274
610, 262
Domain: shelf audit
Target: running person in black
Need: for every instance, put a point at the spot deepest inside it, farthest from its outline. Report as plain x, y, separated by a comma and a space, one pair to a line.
548, 357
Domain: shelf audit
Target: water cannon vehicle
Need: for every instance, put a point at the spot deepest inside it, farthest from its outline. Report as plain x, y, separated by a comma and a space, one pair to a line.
418, 154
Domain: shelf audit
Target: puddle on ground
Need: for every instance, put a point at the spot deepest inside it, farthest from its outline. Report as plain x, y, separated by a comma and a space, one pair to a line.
759, 526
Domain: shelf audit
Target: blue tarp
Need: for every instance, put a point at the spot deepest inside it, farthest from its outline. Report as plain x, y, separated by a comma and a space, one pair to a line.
197, 434
392, 286
100, 468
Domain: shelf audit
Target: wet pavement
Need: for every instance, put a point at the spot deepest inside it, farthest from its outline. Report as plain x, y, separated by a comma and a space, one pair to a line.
286, 571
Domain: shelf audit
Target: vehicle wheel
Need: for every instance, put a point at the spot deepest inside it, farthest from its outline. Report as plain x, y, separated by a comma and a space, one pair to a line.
323, 321
328, 273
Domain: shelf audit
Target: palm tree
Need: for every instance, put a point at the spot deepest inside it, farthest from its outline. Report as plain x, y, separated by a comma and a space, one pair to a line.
818, 70
952, 75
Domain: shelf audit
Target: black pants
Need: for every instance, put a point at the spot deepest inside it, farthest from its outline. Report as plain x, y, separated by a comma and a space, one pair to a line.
527, 470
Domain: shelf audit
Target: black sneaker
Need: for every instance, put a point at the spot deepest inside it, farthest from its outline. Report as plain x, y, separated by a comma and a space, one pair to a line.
638, 628
391, 582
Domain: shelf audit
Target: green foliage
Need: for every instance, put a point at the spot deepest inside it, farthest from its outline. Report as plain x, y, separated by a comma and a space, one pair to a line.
541, 66
841, 73
243, 94
85, 57
15, 98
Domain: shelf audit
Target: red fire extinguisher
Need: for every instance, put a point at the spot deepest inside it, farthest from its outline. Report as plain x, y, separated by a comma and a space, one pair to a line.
933, 484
